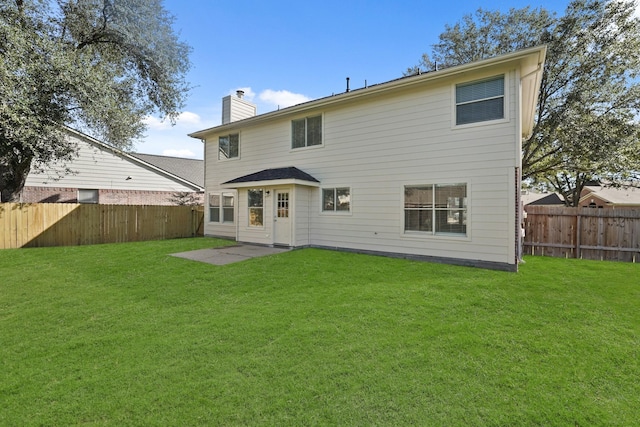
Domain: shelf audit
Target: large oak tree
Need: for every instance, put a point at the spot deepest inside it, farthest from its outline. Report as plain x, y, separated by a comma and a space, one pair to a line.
586, 126
99, 66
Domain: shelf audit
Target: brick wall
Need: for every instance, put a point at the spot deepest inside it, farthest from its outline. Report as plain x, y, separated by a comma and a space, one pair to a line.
105, 197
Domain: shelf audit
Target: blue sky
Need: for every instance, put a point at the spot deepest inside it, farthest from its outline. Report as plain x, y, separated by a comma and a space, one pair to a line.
285, 52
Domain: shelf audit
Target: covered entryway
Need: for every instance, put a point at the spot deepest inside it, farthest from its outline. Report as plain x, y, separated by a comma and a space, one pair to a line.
281, 202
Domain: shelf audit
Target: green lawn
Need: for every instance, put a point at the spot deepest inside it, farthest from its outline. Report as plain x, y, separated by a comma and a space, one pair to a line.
127, 335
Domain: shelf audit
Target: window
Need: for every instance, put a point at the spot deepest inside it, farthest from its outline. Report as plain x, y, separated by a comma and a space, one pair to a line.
221, 207
480, 101
436, 209
283, 205
87, 196
256, 207
336, 199
306, 132
228, 146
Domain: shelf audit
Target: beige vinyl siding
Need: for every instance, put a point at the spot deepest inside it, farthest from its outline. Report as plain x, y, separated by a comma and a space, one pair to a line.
376, 147
234, 108
302, 214
97, 168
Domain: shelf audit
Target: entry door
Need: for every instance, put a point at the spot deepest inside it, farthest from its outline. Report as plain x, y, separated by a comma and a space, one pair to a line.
282, 219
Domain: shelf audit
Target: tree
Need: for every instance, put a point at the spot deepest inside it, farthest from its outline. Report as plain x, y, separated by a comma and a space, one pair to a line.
185, 198
586, 126
99, 66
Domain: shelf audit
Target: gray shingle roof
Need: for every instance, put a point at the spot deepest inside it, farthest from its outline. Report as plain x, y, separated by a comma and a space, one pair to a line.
274, 174
191, 170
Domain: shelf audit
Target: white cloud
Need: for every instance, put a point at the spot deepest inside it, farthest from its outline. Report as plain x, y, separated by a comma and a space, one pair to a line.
282, 98
155, 123
186, 118
178, 153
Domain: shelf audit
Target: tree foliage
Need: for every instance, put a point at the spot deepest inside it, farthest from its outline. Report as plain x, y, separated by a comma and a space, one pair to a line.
99, 66
586, 125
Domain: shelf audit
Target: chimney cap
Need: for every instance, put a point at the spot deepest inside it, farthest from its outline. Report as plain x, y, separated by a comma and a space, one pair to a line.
240, 93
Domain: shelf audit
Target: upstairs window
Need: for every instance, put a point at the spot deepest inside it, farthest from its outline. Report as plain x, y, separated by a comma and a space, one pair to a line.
306, 132
480, 101
228, 146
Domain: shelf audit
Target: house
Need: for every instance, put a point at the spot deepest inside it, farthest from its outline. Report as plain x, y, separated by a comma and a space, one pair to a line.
105, 175
601, 196
532, 198
426, 166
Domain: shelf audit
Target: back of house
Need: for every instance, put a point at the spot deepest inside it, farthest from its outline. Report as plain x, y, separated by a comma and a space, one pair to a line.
425, 167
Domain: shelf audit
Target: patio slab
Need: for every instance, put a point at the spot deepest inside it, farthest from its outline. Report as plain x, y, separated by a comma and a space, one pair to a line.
229, 254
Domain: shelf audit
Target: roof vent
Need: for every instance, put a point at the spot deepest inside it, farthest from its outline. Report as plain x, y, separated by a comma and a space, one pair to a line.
240, 93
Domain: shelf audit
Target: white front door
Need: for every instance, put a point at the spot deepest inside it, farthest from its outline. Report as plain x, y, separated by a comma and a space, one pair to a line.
282, 219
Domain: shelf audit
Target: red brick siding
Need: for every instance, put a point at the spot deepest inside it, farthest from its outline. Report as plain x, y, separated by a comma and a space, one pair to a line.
105, 197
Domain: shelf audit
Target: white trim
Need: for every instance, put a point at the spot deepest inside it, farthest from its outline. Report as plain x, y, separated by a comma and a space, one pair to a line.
271, 183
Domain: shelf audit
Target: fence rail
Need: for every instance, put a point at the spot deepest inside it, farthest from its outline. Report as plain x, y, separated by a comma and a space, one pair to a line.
602, 234
69, 224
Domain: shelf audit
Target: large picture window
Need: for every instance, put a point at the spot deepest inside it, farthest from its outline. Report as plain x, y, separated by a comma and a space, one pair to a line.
336, 199
256, 207
228, 146
436, 208
221, 207
306, 132
480, 101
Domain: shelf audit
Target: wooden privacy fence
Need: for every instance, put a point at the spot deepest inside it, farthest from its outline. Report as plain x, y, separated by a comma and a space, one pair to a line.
69, 224
601, 234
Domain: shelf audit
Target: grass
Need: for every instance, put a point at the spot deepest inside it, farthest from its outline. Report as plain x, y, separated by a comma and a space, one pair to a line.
127, 335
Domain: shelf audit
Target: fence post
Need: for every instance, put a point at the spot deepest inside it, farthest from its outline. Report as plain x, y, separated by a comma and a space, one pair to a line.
578, 234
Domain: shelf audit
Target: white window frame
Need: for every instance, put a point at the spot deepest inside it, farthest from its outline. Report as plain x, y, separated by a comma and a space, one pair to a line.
434, 233
255, 208
504, 96
221, 156
335, 190
222, 208
306, 127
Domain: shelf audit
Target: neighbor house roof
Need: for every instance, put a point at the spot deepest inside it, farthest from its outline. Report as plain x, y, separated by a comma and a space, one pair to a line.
531, 198
190, 169
629, 196
287, 175
530, 62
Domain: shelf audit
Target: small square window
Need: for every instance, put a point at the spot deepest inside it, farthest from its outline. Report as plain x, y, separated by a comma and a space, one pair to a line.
228, 146
221, 207
336, 199
88, 196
